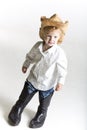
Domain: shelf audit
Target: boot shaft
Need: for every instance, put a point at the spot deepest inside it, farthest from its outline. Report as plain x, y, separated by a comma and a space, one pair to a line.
45, 102
16, 111
41, 114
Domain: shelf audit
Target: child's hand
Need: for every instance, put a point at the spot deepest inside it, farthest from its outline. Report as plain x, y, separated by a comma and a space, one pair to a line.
24, 69
58, 87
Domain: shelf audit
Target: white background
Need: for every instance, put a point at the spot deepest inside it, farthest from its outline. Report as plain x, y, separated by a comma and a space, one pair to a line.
19, 27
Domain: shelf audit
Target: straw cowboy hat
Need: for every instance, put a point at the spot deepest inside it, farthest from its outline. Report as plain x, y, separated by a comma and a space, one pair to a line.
54, 21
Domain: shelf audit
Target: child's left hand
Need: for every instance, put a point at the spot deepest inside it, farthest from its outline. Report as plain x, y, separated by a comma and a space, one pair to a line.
58, 87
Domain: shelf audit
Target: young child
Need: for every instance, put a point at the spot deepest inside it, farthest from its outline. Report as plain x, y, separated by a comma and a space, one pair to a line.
47, 73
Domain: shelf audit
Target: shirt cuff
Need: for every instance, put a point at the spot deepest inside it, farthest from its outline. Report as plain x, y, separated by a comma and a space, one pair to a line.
26, 64
61, 80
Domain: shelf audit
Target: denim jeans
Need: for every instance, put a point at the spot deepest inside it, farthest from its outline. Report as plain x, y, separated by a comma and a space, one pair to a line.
42, 94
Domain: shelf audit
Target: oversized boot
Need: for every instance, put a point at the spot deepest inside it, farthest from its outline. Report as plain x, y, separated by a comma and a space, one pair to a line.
16, 111
41, 114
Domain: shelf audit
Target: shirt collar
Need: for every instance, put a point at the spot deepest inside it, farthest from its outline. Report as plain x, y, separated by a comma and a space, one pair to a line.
50, 50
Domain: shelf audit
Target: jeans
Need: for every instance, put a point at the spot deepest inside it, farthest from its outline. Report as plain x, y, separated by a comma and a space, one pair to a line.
42, 94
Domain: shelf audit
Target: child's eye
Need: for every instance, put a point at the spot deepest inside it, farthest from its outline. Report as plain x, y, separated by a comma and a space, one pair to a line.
55, 36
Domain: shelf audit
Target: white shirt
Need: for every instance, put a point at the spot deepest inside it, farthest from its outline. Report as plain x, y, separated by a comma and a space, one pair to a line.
49, 68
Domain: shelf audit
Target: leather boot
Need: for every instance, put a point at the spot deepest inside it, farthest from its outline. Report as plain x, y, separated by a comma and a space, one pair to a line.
41, 114
16, 111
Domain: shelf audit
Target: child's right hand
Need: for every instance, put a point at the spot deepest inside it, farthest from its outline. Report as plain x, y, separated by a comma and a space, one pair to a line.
24, 69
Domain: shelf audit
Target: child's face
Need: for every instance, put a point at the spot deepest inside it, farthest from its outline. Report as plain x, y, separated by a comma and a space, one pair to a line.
52, 37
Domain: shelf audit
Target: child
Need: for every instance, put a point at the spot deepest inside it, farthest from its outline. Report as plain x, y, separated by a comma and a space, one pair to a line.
47, 73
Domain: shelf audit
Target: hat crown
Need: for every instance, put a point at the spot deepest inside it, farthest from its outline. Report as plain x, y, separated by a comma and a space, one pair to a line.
55, 18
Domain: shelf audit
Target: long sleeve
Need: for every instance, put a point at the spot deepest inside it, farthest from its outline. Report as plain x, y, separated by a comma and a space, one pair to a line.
30, 56
62, 67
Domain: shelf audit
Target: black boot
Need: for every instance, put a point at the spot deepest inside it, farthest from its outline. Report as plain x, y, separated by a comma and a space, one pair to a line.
16, 111
40, 116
